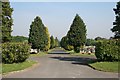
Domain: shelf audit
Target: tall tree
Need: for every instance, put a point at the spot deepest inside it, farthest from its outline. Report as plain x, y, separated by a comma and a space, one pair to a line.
116, 27
38, 36
7, 22
77, 33
46, 39
56, 42
64, 43
52, 42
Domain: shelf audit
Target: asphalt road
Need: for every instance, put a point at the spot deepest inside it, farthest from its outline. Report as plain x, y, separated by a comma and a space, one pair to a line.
61, 66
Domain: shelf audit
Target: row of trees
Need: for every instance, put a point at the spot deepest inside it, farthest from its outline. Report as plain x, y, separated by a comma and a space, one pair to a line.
54, 42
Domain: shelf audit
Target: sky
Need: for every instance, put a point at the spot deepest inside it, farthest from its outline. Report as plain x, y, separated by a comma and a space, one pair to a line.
58, 17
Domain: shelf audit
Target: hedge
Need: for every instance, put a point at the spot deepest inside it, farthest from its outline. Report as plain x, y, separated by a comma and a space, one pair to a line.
15, 52
108, 50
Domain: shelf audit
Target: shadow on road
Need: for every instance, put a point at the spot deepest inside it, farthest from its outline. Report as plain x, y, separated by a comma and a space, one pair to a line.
77, 60
58, 52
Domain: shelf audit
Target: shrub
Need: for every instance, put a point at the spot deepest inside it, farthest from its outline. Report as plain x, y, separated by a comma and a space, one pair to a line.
15, 52
107, 50
69, 47
77, 49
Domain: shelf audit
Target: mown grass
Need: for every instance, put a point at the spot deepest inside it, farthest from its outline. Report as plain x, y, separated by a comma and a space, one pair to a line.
105, 66
101, 66
16, 66
82, 55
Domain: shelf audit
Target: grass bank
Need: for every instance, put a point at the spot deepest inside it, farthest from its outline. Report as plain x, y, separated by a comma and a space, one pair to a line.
101, 66
16, 66
105, 66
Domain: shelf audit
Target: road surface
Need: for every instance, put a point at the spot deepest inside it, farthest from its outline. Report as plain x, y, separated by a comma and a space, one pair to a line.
60, 66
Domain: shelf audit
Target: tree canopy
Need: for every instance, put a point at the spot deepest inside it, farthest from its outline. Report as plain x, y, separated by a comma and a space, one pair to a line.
52, 42
19, 39
116, 27
7, 21
77, 33
39, 35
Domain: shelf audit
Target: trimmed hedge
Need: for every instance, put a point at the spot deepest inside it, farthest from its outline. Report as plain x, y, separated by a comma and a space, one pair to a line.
15, 52
108, 50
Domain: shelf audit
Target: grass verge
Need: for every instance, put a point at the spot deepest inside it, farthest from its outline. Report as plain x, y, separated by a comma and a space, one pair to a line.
105, 66
82, 55
16, 66
38, 54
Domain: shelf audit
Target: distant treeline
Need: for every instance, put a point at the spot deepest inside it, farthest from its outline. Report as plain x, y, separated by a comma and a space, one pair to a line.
19, 39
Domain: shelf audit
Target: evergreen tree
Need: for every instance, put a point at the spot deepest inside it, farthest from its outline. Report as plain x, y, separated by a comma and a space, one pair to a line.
46, 40
64, 43
77, 33
39, 35
7, 21
56, 42
52, 42
116, 27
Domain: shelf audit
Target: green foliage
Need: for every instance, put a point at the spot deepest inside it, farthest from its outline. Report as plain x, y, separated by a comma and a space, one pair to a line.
46, 40
106, 66
107, 50
39, 35
90, 42
52, 42
100, 38
7, 22
77, 49
77, 32
65, 44
57, 43
116, 27
19, 39
15, 52
16, 67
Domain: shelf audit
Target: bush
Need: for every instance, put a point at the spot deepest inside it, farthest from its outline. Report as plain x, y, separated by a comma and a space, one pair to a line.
15, 52
107, 50
77, 49
69, 47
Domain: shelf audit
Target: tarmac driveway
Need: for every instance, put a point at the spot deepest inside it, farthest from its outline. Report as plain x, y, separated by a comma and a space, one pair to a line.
61, 66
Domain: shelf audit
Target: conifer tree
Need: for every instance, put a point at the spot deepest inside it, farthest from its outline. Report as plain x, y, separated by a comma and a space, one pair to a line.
46, 40
116, 27
77, 33
52, 42
7, 21
39, 35
56, 42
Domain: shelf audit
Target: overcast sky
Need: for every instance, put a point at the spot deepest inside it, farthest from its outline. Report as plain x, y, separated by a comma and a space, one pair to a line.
58, 16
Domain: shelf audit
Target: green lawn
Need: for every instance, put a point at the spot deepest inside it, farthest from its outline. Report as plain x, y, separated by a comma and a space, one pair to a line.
105, 66
16, 66
80, 54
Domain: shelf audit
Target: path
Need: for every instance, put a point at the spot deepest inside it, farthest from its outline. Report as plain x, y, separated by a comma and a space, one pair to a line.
61, 66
